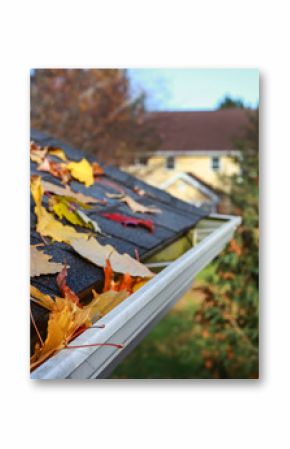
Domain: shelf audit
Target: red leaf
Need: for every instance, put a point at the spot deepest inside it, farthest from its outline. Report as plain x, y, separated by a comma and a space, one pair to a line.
130, 221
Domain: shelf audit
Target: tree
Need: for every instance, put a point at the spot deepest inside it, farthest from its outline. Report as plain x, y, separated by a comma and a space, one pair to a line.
230, 312
91, 109
229, 102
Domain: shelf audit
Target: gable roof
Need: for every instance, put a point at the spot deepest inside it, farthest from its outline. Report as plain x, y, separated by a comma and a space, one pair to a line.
198, 130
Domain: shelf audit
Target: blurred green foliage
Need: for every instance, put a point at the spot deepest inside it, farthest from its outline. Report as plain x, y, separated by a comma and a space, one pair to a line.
214, 331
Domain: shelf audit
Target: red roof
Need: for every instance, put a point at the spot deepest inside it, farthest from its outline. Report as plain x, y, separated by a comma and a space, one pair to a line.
198, 130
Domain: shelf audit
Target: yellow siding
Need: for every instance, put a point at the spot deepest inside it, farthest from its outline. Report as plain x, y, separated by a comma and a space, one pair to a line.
200, 166
186, 192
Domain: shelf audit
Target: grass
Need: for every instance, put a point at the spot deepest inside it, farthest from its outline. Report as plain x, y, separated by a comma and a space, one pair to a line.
172, 350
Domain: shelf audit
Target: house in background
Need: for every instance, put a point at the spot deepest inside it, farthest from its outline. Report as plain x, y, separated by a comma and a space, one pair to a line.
185, 186
195, 142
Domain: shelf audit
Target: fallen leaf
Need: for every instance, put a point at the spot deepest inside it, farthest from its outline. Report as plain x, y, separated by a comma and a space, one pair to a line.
58, 152
130, 221
41, 299
139, 284
63, 208
64, 288
59, 170
97, 169
137, 207
68, 318
96, 253
64, 321
125, 282
109, 276
105, 302
47, 225
82, 171
139, 191
40, 262
134, 205
37, 153
67, 191
91, 224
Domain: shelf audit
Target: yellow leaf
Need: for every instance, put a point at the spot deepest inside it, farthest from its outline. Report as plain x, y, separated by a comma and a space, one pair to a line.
47, 225
82, 171
105, 302
98, 254
40, 263
66, 191
41, 299
139, 284
58, 152
67, 318
60, 329
62, 210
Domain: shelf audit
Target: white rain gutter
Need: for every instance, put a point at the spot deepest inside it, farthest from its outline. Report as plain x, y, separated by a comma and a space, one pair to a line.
130, 319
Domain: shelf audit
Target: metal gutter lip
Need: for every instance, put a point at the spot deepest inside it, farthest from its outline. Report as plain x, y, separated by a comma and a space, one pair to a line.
128, 319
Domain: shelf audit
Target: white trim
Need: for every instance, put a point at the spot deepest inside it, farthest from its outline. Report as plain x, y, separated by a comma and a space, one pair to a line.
190, 153
194, 183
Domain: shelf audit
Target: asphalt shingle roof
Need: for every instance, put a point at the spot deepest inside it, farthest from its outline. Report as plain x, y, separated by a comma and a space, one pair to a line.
176, 218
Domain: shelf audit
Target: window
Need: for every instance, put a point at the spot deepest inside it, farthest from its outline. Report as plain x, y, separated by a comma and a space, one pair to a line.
215, 163
170, 162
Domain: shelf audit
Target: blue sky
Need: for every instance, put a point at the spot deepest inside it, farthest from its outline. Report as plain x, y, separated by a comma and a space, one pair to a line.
194, 89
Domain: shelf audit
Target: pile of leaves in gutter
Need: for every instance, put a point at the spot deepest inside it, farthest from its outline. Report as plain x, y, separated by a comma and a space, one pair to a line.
123, 274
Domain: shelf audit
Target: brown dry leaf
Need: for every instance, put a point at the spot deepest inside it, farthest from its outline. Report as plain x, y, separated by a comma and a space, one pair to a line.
36, 158
47, 225
134, 205
37, 153
98, 254
44, 165
82, 171
67, 191
59, 170
97, 169
40, 262
137, 207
